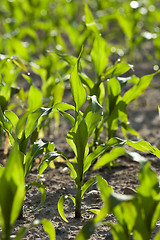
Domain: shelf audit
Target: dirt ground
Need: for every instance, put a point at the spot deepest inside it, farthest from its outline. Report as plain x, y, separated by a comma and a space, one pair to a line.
143, 116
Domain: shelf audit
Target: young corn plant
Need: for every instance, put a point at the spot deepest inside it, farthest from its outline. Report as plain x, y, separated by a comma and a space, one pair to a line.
83, 126
23, 131
12, 185
108, 85
10, 68
136, 214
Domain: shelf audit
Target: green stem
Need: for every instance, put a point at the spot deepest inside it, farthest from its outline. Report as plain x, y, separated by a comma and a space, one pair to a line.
78, 201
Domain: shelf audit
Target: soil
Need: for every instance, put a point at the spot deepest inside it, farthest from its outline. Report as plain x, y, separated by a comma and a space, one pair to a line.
143, 116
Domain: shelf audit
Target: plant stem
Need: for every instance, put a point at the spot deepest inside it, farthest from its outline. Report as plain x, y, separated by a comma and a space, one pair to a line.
78, 201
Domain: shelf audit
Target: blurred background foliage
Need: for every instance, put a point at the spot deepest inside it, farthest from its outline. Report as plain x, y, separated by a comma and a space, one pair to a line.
46, 36
29, 27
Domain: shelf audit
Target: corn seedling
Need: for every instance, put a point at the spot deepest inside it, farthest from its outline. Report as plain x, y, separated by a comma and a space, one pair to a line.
83, 126
136, 214
21, 131
12, 184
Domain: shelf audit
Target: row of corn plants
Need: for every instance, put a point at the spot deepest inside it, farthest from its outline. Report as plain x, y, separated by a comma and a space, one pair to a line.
27, 24
24, 129
100, 90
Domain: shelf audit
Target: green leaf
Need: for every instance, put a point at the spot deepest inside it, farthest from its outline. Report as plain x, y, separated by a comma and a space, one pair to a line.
61, 205
114, 91
99, 55
156, 214
33, 153
126, 128
47, 225
95, 211
148, 180
92, 115
46, 161
77, 138
105, 189
72, 169
27, 78
87, 230
134, 92
43, 193
19, 131
87, 184
109, 157
119, 112
86, 81
12, 118
17, 61
117, 69
68, 117
34, 98
144, 147
157, 237
92, 156
12, 187
78, 91
136, 157
6, 125
71, 60
159, 111
89, 20
118, 232
126, 214
49, 229
98, 151
126, 25
63, 106
32, 120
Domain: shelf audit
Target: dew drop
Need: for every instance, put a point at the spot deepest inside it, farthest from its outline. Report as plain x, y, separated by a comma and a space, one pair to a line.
156, 67
134, 4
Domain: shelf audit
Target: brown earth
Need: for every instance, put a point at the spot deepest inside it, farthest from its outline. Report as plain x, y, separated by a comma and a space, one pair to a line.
143, 116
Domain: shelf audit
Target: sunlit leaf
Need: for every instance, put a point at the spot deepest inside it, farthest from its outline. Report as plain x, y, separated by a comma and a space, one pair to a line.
33, 153
157, 237
144, 146
99, 150
85, 187
32, 120
34, 98
69, 59
139, 88
92, 115
99, 55
87, 230
78, 91
61, 205
114, 90
46, 161
12, 186
90, 23
72, 169
117, 69
47, 225
49, 229
109, 157
16, 60
63, 106
68, 117
12, 117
